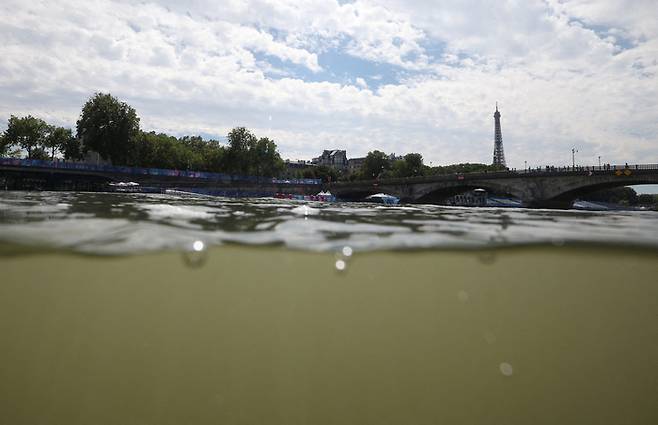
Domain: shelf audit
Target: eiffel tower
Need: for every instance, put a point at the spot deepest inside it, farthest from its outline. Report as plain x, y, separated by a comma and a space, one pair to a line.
499, 153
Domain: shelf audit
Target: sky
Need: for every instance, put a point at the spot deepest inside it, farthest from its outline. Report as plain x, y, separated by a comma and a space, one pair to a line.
395, 75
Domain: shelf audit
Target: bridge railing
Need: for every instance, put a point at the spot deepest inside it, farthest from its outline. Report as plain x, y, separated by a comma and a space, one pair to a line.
137, 171
586, 168
511, 173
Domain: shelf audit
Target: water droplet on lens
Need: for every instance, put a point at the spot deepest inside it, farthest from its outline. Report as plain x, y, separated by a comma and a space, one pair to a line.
196, 255
490, 337
506, 369
558, 242
463, 296
341, 265
347, 251
487, 257
198, 246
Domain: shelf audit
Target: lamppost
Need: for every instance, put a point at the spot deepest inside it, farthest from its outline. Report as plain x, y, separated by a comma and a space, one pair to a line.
599, 162
525, 165
573, 158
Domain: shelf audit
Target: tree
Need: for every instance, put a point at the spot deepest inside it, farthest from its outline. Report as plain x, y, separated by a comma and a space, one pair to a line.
409, 166
647, 199
109, 127
238, 158
28, 133
4, 146
463, 168
214, 156
615, 195
158, 151
72, 148
414, 163
266, 159
58, 139
193, 152
375, 164
40, 153
327, 174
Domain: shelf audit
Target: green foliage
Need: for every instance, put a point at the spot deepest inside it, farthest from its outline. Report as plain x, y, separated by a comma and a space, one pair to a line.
159, 150
192, 153
72, 148
375, 164
647, 199
246, 155
40, 153
28, 133
323, 172
414, 162
410, 166
100, 122
4, 146
378, 165
616, 195
60, 139
109, 127
241, 151
214, 156
36, 138
464, 168
153, 150
267, 161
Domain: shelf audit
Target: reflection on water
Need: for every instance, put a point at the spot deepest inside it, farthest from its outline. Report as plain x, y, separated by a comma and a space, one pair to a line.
126, 223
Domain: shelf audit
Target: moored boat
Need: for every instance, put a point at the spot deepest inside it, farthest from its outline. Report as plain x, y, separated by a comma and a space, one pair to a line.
382, 198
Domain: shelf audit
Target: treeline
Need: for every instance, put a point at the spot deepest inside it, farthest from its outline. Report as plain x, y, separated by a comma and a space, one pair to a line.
378, 165
111, 129
37, 138
322, 172
245, 154
622, 196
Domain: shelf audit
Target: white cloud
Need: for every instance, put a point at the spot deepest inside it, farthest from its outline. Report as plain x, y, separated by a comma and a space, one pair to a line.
566, 73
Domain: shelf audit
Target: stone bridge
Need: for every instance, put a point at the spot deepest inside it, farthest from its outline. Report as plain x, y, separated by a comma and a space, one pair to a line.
549, 188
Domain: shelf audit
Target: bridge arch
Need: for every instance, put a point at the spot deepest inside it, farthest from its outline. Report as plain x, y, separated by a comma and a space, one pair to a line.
541, 189
439, 192
572, 192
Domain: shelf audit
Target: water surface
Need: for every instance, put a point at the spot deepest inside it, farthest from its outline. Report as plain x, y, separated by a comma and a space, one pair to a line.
197, 310
105, 223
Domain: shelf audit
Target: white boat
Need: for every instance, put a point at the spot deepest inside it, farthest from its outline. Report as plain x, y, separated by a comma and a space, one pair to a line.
128, 187
382, 198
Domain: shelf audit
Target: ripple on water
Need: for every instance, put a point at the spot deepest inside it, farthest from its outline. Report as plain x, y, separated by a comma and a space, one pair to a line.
127, 223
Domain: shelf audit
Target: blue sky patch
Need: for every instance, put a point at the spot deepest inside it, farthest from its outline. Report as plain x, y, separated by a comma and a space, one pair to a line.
603, 32
338, 67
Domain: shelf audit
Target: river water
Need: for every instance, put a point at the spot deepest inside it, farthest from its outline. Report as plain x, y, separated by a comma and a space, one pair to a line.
171, 309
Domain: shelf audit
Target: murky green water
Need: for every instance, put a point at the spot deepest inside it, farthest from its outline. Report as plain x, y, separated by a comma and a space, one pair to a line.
108, 315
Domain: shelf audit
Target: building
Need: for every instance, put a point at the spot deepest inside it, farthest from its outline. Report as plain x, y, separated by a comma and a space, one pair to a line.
332, 158
499, 153
338, 159
93, 157
354, 164
298, 164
